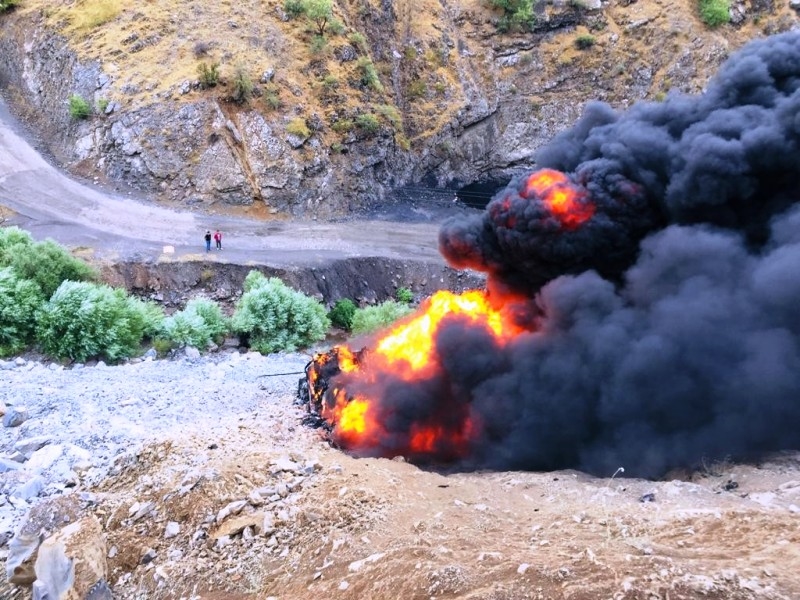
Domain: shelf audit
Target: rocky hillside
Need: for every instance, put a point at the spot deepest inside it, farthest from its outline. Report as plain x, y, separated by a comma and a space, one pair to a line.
412, 94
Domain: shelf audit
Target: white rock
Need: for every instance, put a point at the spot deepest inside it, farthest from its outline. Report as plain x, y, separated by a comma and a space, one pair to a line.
28, 446
44, 458
234, 508
171, 530
372, 558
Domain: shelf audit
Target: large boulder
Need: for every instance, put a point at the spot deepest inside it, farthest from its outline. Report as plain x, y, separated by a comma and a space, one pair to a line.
42, 520
71, 564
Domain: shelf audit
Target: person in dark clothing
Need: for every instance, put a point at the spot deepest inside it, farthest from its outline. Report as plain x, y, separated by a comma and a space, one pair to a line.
218, 239
208, 241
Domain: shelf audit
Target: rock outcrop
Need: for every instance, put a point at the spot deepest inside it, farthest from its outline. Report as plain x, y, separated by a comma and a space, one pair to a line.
452, 101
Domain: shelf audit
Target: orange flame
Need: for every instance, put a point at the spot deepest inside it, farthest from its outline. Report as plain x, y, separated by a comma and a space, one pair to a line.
567, 202
409, 345
407, 352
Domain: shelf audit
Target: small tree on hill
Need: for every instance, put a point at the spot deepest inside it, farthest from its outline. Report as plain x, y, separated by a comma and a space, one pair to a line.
320, 12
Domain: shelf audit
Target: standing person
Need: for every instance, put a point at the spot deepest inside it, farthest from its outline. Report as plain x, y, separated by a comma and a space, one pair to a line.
208, 241
218, 239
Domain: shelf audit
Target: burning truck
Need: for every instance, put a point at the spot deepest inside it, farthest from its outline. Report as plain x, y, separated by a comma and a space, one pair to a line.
641, 299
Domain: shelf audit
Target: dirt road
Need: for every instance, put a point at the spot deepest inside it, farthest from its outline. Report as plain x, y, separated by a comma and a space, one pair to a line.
49, 203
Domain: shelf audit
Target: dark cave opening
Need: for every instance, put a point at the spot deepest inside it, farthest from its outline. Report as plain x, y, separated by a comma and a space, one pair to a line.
478, 194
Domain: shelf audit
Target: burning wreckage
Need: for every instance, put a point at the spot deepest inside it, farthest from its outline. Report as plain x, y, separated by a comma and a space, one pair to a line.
641, 299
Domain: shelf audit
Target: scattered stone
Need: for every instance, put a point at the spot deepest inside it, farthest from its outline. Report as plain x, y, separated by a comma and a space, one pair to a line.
149, 556
283, 464
28, 446
139, 510
267, 76
649, 497
44, 458
255, 499
495, 556
235, 525
234, 508
30, 489
15, 416
268, 525
223, 542
356, 566
8, 464
171, 530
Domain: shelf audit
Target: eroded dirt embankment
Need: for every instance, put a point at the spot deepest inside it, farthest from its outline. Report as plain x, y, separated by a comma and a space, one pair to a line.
365, 280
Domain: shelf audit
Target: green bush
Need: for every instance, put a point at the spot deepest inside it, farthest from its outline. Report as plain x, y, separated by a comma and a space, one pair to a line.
584, 41
294, 8
208, 74
404, 295
272, 98
715, 12
336, 27
242, 86
162, 346
8, 4
341, 315
391, 114
10, 237
151, 315
416, 89
368, 123
372, 318
358, 40
79, 108
87, 320
20, 299
318, 44
102, 105
369, 74
342, 126
517, 14
298, 127
47, 264
275, 317
197, 325
330, 82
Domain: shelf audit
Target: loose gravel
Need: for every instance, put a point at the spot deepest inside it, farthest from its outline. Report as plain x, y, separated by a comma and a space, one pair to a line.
79, 420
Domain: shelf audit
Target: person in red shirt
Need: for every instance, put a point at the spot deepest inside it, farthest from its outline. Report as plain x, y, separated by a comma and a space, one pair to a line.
218, 239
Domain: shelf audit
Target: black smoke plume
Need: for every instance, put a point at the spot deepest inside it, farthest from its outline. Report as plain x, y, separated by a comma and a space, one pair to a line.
668, 322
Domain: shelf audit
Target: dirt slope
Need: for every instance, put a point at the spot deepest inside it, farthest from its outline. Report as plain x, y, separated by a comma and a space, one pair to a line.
379, 528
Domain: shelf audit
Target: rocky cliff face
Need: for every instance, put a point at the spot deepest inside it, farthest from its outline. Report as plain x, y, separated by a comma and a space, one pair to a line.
450, 101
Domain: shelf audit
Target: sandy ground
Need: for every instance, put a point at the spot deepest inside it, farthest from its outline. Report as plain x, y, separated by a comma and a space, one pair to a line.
385, 529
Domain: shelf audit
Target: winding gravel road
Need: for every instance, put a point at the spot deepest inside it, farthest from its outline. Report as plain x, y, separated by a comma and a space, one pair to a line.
49, 203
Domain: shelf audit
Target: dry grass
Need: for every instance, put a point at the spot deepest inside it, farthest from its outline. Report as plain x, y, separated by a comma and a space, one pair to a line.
89, 14
150, 49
